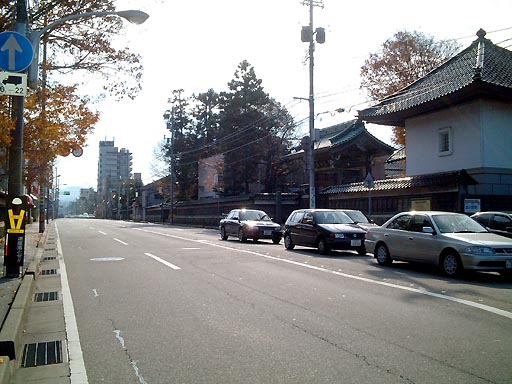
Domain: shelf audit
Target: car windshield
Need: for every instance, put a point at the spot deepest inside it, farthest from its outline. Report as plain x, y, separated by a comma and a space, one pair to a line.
332, 217
457, 224
254, 216
357, 216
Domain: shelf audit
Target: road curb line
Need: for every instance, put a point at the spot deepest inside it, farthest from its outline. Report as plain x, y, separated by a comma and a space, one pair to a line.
10, 335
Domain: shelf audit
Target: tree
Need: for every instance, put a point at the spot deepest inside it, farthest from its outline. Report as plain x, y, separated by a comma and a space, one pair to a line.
80, 45
255, 133
403, 59
54, 128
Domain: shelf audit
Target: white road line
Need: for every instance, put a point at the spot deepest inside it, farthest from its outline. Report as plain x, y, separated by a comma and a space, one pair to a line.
103, 233
78, 374
163, 261
120, 241
95, 292
469, 303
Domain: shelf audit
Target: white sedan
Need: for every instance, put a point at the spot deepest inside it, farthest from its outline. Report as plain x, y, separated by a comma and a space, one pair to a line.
452, 241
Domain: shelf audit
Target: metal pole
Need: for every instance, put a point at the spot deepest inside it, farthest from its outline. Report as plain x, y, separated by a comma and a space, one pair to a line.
172, 169
311, 154
15, 163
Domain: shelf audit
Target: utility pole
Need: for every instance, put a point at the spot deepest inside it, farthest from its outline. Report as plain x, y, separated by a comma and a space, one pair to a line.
307, 36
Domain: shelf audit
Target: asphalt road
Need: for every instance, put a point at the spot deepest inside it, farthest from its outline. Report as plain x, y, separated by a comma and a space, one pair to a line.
160, 304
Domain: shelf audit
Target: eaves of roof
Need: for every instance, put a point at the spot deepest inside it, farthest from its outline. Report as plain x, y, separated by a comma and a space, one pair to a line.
430, 180
482, 70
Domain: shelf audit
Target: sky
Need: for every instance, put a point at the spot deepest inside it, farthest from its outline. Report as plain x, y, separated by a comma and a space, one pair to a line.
195, 45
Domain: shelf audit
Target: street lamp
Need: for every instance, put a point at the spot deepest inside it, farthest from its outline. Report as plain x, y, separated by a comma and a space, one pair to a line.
133, 16
169, 121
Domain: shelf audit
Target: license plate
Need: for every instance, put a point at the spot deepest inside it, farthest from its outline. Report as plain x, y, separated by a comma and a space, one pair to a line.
355, 243
508, 264
267, 232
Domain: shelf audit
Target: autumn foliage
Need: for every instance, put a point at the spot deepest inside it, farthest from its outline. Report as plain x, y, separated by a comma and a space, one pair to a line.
403, 59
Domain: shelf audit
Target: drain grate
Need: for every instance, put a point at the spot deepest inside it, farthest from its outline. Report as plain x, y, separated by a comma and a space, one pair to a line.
45, 353
49, 249
45, 272
47, 258
46, 296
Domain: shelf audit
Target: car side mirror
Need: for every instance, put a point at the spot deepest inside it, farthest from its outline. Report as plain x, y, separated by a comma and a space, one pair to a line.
428, 230
236, 218
310, 222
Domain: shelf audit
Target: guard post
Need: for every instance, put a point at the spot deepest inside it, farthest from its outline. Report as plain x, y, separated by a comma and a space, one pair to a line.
14, 251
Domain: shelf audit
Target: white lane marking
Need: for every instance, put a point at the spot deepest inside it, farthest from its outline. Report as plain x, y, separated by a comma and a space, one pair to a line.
95, 292
78, 374
133, 363
469, 303
103, 233
190, 249
163, 261
120, 241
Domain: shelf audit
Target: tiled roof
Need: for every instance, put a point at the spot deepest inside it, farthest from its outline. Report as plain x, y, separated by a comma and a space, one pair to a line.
341, 134
430, 180
482, 64
398, 155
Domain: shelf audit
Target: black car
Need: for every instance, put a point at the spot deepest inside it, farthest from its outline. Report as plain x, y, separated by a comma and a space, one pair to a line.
249, 224
324, 229
359, 218
496, 222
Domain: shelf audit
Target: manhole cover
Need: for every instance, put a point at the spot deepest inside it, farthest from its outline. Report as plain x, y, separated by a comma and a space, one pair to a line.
108, 259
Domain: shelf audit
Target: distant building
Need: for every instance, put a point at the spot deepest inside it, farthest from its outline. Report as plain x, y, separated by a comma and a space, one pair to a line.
114, 171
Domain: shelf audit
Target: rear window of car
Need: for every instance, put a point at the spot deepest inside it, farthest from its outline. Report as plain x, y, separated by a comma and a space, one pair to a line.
296, 217
401, 222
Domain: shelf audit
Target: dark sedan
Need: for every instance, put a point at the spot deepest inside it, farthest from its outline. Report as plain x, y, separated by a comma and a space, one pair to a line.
249, 224
496, 222
324, 229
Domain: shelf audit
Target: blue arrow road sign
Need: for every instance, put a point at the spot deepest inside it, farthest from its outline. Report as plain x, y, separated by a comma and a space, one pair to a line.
16, 52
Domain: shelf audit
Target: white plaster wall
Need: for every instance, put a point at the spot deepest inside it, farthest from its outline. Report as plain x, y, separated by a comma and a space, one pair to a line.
481, 138
497, 135
422, 140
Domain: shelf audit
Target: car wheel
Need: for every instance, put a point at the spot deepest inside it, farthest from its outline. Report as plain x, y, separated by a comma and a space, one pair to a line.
276, 239
382, 255
361, 251
323, 248
241, 236
451, 264
288, 244
507, 274
223, 235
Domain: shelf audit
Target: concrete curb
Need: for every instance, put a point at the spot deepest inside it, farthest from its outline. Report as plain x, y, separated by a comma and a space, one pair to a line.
5, 370
10, 335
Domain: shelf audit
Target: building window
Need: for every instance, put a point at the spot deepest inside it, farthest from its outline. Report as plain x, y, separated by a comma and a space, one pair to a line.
445, 141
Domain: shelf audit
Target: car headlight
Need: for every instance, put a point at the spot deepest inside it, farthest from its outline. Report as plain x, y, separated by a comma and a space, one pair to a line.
338, 235
480, 250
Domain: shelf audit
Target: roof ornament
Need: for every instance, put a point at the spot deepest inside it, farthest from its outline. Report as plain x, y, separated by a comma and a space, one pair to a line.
480, 54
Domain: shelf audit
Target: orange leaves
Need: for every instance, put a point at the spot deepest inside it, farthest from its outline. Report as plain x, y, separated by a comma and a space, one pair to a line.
57, 119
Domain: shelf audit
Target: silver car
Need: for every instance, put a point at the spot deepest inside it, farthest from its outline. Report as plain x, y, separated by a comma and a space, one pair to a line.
452, 241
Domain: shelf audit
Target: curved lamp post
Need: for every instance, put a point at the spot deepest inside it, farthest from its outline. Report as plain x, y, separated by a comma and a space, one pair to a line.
133, 16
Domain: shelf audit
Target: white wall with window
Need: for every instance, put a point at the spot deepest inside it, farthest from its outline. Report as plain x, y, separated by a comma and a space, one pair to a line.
475, 135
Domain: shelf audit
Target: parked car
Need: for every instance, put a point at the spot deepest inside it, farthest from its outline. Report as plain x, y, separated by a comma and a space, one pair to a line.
249, 224
359, 218
496, 222
452, 241
324, 229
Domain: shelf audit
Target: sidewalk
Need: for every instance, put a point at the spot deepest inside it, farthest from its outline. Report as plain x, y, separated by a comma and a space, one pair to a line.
15, 294
9, 286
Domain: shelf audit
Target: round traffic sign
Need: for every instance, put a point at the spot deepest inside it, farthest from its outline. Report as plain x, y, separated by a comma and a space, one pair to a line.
77, 151
16, 52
